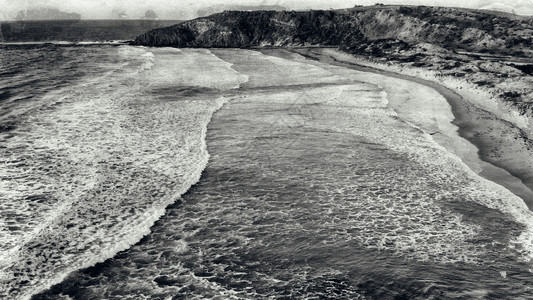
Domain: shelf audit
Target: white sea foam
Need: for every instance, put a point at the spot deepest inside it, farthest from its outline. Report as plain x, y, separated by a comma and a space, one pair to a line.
478, 95
428, 112
114, 155
196, 67
364, 177
107, 158
480, 190
411, 223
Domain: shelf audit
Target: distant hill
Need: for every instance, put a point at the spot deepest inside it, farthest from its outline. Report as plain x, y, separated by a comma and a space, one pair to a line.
354, 29
490, 50
45, 13
222, 7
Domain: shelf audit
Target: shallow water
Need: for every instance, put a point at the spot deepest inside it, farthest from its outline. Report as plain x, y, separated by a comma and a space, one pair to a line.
315, 188
492, 147
90, 164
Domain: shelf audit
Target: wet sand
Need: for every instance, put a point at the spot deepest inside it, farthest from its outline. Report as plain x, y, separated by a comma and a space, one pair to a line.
502, 151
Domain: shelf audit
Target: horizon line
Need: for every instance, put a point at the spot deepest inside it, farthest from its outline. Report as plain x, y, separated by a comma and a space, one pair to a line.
298, 10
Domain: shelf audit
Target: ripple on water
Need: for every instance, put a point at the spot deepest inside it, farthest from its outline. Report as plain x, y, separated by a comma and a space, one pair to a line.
93, 165
311, 191
302, 199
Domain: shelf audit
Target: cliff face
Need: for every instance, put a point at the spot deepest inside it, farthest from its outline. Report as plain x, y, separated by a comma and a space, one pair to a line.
351, 29
491, 50
247, 29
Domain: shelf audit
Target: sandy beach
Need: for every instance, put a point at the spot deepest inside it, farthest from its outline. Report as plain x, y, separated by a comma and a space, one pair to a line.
490, 145
319, 179
266, 151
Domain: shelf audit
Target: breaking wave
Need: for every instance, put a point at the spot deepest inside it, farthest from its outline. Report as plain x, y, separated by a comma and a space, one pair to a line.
92, 165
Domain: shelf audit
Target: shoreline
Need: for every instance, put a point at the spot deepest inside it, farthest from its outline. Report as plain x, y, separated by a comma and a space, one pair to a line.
268, 207
474, 125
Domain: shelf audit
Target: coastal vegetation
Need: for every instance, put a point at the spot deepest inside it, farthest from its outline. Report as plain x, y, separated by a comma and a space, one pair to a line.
491, 50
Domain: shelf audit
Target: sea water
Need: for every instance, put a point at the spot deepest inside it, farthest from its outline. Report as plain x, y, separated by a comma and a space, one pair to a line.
311, 185
96, 142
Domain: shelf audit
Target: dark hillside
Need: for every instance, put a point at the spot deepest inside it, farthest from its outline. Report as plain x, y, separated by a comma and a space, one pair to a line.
389, 26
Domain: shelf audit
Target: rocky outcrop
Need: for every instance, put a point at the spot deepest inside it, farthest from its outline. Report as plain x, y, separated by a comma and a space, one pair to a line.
248, 29
449, 28
493, 51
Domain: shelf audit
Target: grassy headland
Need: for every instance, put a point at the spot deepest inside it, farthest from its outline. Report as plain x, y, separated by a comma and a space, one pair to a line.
485, 57
490, 50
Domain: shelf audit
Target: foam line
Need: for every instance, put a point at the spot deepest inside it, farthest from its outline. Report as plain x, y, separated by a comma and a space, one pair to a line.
166, 138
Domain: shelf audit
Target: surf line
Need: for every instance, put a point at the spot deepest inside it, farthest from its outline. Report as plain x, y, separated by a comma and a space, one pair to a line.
461, 110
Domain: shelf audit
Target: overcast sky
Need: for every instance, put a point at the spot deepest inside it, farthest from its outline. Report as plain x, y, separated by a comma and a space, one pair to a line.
180, 9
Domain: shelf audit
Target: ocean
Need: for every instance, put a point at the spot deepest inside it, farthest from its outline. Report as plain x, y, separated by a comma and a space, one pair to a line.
143, 173
77, 30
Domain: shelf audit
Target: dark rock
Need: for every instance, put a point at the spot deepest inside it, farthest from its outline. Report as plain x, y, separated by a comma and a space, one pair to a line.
167, 281
377, 30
